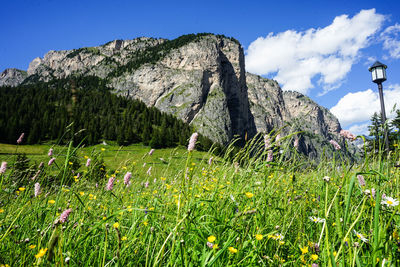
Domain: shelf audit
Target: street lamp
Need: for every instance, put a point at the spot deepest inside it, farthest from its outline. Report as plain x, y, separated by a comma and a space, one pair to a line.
378, 72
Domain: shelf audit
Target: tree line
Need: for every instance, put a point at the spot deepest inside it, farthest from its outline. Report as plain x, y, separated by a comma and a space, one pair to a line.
84, 108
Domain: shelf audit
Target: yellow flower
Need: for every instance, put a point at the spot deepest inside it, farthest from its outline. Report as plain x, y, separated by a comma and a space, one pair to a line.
124, 238
215, 246
32, 246
259, 237
70, 163
41, 253
314, 257
211, 238
249, 195
21, 189
51, 201
163, 178
104, 218
116, 225
1, 210
103, 149
81, 193
232, 250
145, 223
304, 250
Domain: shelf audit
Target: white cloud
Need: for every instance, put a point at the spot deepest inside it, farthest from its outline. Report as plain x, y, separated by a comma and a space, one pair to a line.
360, 129
298, 57
391, 43
355, 109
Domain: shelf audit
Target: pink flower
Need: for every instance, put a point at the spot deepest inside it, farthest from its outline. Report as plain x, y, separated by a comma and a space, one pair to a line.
36, 175
151, 152
210, 161
277, 139
3, 167
192, 141
149, 171
37, 189
110, 183
88, 162
335, 144
267, 142
21, 137
64, 215
50, 152
270, 156
347, 134
51, 161
146, 184
361, 180
127, 178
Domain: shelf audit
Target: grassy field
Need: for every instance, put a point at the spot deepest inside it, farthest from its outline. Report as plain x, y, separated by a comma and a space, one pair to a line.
188, 211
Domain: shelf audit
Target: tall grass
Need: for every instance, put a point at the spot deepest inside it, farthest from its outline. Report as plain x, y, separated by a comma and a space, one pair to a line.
237, 211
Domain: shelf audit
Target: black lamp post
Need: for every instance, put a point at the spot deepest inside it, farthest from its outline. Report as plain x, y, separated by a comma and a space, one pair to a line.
378, 72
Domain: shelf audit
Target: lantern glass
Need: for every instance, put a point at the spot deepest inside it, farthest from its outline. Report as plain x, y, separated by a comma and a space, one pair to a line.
378, 72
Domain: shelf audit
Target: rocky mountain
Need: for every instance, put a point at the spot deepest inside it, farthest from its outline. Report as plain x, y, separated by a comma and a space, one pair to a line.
200, 79
12, 77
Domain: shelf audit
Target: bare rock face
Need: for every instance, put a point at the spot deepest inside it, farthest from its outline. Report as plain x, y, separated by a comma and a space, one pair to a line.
201, 81
12, 77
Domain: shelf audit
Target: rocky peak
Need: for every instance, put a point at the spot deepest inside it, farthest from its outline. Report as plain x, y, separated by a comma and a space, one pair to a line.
12, 77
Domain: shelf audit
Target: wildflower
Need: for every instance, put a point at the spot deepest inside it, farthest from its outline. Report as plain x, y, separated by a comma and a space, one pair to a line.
210, 245
232, 250
267, 142
37, 189
370, 192
277, 139
36, 175
211, 238
124, 238
146, 184
51, 201
21, 189
3, 167
116, 225
314, 265
249, 195
278, 237
335, 144
51, 161
360, 236
88, 162
127, 178
316, 219
210, 160
50, 152
296, 142
389, 201
326, 179
64, 215
1, 210
151, 152
259, 237
361, 180
32, 246
149, 171
314, 257
110, 183
82, 193
215, 246
41, 253
348, 135
304, 250
270, 156
19, 141
192, 141
103, 149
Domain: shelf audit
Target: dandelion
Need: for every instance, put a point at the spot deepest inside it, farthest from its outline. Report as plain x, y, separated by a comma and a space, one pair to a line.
192, 141
335, 144
211, 239
64, 215
348, 135
110, 183
41, 253
151, 151
232, 250
249, 195
149, 171
361, 180
51, 161
21, 137
3, 167
259, 237
127, 178
389, 201
116, 225
37, 189
88, 162
360, 236
316, 219
50, 152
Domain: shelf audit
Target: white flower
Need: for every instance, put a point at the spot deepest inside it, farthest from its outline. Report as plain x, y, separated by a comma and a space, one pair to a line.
360, 236
389, 201
316, 219
326, 179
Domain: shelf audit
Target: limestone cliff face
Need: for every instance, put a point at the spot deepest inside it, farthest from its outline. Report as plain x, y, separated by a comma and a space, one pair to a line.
201, 80
12, 77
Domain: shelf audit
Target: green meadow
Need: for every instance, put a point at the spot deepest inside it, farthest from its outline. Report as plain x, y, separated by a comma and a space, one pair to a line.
237, 209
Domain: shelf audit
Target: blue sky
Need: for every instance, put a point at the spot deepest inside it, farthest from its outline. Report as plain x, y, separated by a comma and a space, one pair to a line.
320, 48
